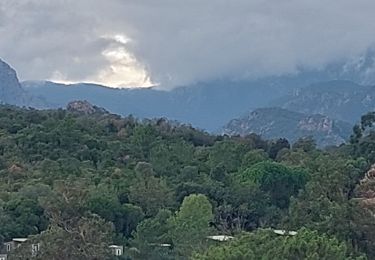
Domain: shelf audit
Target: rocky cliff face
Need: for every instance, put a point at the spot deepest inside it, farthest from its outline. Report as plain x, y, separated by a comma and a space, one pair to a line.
84, 107
365, 191
317, 123
11, 91
342, 100
278, 123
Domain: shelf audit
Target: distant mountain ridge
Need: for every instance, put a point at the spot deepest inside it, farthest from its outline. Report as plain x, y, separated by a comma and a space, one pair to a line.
342, 100
204, 105
211, 105
272, 123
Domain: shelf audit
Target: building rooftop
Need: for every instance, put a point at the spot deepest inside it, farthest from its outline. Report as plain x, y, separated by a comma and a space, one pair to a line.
114, 246
161, 245
220, 238
21, 240
284, 232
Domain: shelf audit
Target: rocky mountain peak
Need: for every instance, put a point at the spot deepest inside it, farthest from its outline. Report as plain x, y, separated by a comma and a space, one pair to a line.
7, 71
277, 123
11, 91
84, 107
317, 123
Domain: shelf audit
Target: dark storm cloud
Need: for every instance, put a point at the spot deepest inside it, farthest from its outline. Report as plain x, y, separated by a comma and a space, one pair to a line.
179, 42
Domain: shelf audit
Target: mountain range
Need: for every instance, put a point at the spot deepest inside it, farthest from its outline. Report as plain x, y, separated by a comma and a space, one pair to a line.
204, 105
276, 122
322, 95
343, 100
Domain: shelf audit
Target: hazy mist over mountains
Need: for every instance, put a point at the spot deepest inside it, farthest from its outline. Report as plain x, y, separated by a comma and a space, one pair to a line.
180, 43
210, 105
318, 95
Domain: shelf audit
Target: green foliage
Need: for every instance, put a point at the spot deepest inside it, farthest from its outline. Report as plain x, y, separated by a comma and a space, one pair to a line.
277, 146
307, 144
104, 202
148, 191
89, 239
190, 226
228, 153
363, 138
324, 204
252, 157
150, 235
135, 183
278, 181
266, 245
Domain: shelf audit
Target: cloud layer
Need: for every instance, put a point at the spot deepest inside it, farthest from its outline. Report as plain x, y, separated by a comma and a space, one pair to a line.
136, 42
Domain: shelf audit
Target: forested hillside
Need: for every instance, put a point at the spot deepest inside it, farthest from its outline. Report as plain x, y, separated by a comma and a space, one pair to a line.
81, 179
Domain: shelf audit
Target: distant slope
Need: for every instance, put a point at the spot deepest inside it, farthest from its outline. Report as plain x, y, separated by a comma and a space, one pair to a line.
209, 105
10, 88
11, 91
277, 123
204, 105
343, 100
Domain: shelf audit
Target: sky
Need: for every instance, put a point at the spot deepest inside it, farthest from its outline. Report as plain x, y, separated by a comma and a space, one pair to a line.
170, 43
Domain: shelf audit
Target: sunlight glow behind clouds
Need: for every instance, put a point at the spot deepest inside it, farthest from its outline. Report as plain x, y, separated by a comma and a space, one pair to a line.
128, 42
123, 70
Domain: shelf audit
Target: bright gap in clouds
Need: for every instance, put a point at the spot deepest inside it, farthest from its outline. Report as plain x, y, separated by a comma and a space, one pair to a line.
179, 43
123, 71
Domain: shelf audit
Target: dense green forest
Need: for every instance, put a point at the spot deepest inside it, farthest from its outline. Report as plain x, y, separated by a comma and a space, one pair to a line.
77, 183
